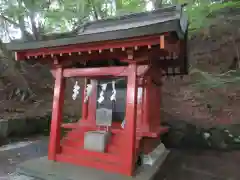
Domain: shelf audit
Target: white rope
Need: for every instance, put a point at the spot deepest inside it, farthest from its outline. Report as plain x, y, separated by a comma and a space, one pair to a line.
117, 80
103, 89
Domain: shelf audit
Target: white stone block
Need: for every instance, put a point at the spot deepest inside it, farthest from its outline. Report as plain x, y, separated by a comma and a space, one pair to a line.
96, 140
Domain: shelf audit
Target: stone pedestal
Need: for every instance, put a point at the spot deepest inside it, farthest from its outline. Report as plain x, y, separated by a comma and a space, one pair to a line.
96, 140
44, 169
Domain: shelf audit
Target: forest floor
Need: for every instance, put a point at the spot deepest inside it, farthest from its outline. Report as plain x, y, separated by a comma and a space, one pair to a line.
200, 165
180, 165
198, 98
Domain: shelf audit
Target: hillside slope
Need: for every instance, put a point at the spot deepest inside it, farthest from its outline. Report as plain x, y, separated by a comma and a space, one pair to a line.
213, 52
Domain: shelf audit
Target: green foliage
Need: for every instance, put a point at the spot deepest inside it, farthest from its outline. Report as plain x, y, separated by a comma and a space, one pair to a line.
130, 6
201, 14
62, 16
201, 17
205, 80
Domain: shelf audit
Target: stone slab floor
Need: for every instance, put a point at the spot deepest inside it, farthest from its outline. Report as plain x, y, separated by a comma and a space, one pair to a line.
180, 164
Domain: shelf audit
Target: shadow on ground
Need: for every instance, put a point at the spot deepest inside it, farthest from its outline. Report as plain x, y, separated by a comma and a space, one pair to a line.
200, 165
180, 165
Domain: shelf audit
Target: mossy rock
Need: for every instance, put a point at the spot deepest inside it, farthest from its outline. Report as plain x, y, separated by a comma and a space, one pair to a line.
184, 135
217, 139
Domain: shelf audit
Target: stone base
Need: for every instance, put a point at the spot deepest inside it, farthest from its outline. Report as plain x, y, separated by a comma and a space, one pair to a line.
23, 127
96, 140
42, 168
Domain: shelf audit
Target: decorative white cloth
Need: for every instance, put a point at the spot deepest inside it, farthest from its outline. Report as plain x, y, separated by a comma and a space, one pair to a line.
88, 92
101, 96
123, 124
113, 97
76, 89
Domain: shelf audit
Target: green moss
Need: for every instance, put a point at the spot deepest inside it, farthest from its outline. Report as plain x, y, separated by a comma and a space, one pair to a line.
202, 16
184, 135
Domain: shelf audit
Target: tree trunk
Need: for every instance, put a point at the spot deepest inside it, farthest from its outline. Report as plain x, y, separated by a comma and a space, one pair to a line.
35, 30
157, 3
94, 9
22, 28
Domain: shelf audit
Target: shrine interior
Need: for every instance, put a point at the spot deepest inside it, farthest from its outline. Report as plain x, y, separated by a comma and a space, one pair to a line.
118, 106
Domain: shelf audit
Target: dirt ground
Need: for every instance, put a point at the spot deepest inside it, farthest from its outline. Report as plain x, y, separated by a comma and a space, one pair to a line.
180, 164
10, 157
200, 165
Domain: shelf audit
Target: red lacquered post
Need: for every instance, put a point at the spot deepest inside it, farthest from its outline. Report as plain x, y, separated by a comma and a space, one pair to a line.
58, 101
129, 148
84, 104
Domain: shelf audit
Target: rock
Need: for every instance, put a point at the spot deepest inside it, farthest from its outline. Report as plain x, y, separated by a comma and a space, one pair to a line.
217, 139
184, 135
23, 127
16, 176
17, 127
4, 128
173, 139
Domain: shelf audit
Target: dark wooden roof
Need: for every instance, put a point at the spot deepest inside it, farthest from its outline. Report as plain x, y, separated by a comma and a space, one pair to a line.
170, 19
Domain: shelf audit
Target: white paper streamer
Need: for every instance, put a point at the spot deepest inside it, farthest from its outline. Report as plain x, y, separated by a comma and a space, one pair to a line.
123, 123
101, 96
113, 97
139, 95
76, 89
88, 92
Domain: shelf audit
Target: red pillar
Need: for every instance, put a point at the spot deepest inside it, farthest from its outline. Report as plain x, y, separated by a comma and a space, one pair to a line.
58, 101
84, 104
129, 150
92, 104
146, 104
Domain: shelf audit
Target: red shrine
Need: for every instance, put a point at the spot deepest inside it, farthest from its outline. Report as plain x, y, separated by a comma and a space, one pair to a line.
137, 49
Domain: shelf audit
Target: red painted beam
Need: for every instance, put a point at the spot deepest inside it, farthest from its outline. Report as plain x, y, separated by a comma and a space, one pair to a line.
105, 45
84, 104
102, 71
129, 148
93, 72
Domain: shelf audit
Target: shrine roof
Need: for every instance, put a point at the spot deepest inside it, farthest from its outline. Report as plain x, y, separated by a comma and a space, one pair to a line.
169, 19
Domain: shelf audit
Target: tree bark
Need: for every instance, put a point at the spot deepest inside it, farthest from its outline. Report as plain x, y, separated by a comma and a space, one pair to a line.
157, 3
95, 12
20, 25
36, 35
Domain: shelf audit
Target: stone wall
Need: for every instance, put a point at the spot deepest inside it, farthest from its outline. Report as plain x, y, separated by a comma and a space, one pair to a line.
25, 127
17, 128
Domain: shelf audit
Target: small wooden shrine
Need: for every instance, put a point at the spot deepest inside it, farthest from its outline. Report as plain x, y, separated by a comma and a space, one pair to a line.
122, 61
